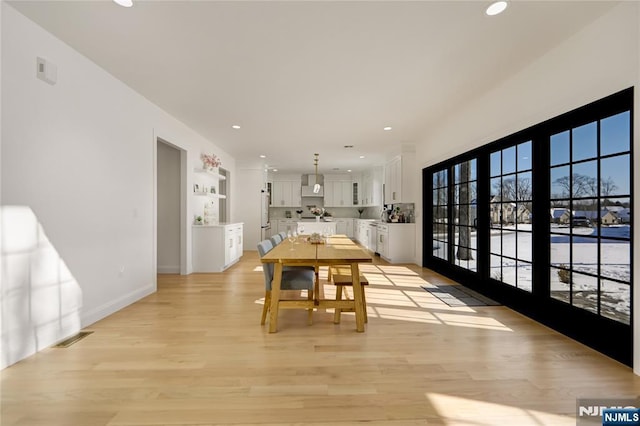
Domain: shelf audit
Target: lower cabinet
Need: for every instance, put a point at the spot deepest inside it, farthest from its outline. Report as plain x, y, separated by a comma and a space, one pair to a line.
396, 242
286, 225
216, 247
382, 241
362, 230
344, 227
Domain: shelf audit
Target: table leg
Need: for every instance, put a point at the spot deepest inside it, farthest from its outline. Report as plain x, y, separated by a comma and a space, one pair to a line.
357, 296
275, 297
316, 286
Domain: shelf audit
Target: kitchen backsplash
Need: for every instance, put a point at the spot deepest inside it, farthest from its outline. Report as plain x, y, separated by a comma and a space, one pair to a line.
368, 213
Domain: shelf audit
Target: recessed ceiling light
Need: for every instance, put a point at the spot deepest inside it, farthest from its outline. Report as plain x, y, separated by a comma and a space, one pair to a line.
124, 3
263, 156
496, 8
235, 126
388, 128
275, 170
362, 156
349, 170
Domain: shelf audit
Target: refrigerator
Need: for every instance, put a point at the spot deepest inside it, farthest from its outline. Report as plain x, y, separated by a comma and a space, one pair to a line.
265, 223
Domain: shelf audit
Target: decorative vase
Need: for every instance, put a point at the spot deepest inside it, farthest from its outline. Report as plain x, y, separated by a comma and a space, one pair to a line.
317, 218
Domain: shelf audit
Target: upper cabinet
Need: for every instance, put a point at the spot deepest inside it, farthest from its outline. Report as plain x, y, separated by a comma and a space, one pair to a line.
286, 192
370, 187
399, 180
338, 191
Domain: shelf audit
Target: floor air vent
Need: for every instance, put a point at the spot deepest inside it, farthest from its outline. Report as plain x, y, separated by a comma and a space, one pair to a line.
73, 339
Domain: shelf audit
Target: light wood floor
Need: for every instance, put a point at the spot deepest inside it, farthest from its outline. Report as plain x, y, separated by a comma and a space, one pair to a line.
194, 353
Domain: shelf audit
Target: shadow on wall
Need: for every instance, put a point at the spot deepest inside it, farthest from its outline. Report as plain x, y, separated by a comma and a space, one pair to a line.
40, 299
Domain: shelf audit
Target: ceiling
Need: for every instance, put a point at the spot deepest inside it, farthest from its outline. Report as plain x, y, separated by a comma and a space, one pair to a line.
302, 77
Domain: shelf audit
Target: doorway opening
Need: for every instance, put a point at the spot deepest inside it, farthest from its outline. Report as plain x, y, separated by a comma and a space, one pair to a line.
170, 208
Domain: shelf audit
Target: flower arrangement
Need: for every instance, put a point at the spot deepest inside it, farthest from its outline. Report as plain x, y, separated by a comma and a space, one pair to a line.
210, 161
316, 211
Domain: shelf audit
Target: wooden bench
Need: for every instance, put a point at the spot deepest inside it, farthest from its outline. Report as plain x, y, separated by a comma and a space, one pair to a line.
341, 278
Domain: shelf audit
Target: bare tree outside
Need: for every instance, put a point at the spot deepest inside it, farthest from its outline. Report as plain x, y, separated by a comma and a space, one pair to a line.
580, 185
464, 237
607, 187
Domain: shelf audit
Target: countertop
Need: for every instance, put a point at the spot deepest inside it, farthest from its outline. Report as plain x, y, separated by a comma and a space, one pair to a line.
221, 224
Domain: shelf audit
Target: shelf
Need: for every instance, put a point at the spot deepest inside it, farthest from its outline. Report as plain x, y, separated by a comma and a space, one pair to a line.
210, 173
209, 194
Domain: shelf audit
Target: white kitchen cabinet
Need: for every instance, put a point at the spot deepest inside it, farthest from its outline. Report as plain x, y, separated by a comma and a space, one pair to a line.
371, 194
344, 226
286, 225
382, 240
286, 193
338, 193
216, 247
362, 230
399, 180
396, 242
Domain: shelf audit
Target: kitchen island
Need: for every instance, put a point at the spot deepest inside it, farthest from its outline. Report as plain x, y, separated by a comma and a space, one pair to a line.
317, 227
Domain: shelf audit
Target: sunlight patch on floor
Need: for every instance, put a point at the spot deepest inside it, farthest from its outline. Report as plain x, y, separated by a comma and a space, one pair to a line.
403, 315
475, 321
396, 270
395, 292
463, 411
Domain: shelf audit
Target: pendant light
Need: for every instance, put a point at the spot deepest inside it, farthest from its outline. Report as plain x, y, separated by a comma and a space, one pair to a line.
316, 187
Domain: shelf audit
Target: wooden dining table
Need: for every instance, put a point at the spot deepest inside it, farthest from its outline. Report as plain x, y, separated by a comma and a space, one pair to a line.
338, 250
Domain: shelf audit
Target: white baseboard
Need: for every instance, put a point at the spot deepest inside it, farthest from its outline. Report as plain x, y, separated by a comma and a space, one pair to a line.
168, 269
96, 314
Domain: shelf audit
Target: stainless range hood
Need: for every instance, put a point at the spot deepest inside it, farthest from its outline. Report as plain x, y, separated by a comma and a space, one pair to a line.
307, 190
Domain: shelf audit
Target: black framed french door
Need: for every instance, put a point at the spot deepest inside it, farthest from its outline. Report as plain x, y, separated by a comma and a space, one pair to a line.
542, 221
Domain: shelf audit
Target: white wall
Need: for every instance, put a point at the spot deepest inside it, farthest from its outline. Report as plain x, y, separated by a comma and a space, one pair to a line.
599, 60
81, 155
251, 180
168, 224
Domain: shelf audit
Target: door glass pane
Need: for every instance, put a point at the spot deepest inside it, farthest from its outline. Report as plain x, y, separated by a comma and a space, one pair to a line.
560, 148
560, 280
524, 156
584, 292
496, 188
615, 259
615, 301
560, 182
495, 215
560, 251
524, 246
472, 170
509, 243
585, 142
584, 179
496, 268
615, 176
524, 186
525, 280
496, 168
615, 134
584, 254
509, 271
509, 160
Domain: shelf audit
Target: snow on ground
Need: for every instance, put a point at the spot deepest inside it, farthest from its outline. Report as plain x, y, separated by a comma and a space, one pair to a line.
615, 263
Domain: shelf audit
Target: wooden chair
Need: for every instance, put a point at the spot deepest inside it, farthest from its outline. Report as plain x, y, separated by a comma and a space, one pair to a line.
341, 278
293, 278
